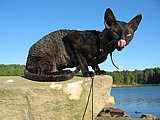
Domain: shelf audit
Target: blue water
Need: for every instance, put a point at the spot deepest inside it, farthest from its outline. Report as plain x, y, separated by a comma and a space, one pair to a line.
143, 99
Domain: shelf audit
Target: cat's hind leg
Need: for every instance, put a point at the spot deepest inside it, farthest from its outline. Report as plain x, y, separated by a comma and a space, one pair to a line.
45, 67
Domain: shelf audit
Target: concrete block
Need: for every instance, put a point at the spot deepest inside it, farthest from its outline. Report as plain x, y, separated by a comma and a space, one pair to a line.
23, 99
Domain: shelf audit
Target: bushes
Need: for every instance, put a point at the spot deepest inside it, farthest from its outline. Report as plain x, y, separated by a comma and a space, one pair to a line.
12, 70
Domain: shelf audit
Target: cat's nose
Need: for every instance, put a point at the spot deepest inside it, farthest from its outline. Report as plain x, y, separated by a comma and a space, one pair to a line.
121, 43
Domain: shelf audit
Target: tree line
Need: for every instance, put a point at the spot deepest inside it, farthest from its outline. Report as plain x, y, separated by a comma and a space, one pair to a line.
147, 76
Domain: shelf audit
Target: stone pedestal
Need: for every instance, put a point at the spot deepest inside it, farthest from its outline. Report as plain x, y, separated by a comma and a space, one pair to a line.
23, 99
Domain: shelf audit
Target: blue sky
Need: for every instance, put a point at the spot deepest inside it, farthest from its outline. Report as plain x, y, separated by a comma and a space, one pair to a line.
23, 22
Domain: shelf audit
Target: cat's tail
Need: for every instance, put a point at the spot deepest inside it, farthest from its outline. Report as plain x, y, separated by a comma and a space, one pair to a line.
54, 77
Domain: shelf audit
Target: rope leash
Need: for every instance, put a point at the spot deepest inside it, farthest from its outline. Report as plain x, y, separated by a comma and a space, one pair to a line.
91, 90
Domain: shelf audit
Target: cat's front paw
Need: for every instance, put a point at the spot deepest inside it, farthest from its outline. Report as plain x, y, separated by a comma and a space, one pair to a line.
90, 74
100, 72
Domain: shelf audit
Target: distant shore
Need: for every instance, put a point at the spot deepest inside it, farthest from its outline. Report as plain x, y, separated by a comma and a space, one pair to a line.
136, 85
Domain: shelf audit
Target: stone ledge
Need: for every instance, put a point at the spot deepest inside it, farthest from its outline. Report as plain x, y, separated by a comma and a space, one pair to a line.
22, 99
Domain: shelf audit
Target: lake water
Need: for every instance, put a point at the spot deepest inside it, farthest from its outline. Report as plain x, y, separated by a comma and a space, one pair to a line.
143, 99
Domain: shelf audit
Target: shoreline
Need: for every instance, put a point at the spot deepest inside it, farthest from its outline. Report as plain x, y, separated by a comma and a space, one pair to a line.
136, 85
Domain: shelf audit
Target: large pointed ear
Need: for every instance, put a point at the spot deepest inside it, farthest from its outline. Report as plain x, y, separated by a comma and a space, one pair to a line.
135, 22
109, 18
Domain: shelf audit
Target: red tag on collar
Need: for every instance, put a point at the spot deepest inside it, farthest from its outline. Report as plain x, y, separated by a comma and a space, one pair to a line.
101, 50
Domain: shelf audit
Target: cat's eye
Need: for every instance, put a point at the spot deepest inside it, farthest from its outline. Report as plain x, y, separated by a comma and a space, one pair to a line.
130, 34
114, 33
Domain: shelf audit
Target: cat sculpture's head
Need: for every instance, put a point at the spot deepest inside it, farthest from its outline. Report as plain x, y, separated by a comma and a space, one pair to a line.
119, 33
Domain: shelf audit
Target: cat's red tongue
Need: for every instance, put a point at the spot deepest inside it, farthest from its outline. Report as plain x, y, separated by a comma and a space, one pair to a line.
121, 43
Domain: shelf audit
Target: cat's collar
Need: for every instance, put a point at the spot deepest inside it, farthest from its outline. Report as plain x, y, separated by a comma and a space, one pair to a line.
100, 42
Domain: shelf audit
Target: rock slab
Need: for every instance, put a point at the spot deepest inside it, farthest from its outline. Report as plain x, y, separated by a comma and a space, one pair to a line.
23, 99
110, 112
149, 117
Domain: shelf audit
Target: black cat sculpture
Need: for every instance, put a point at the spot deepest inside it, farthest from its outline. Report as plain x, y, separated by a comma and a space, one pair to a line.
72, 48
